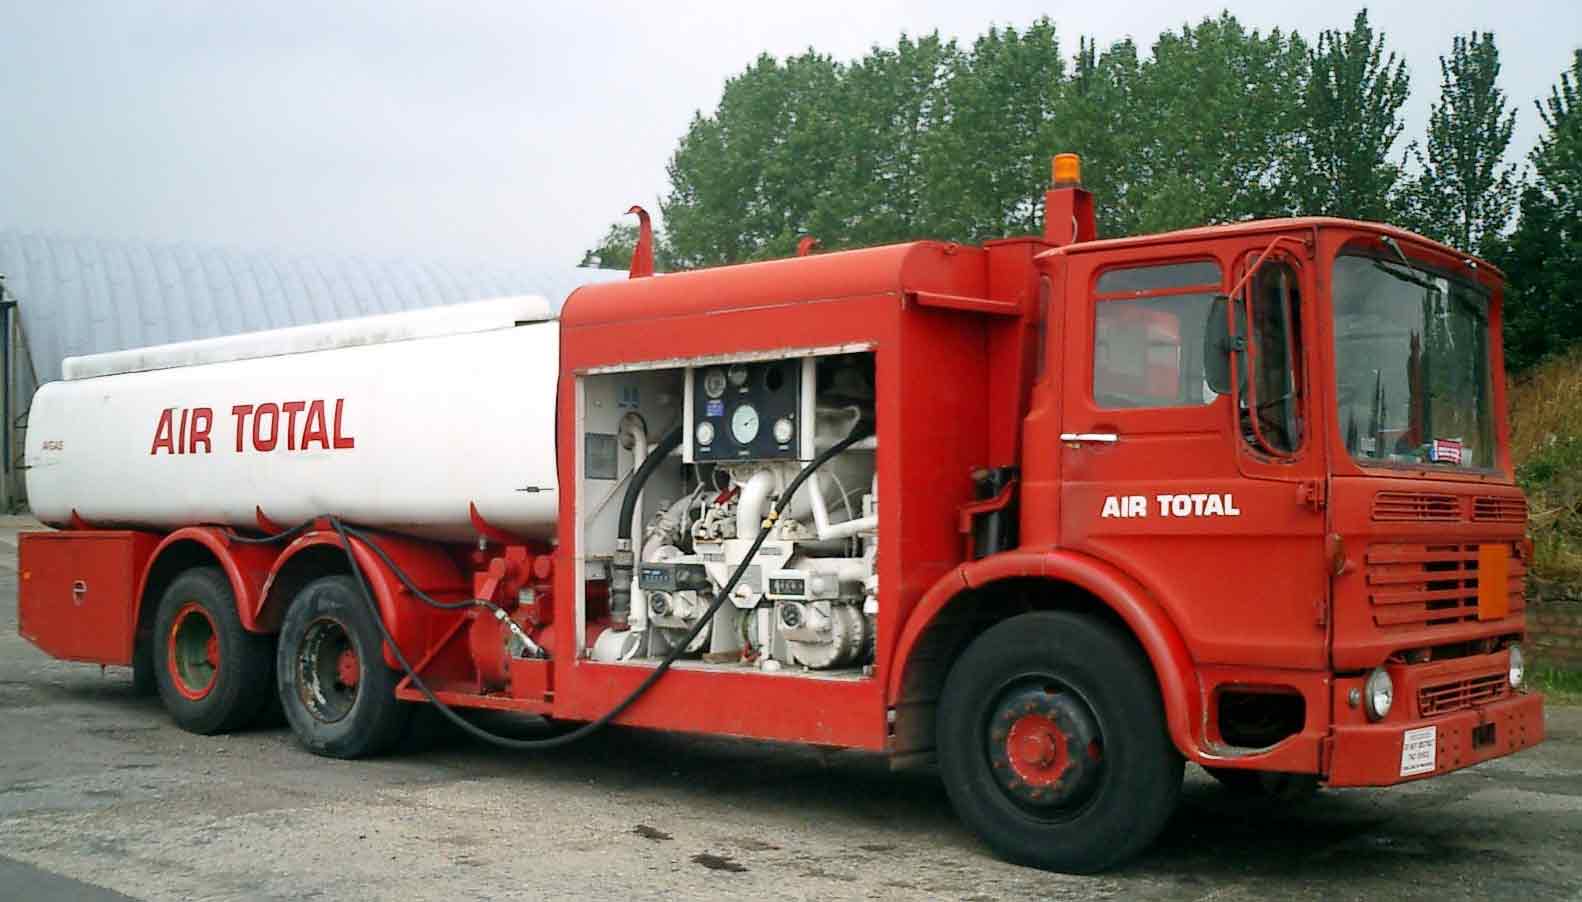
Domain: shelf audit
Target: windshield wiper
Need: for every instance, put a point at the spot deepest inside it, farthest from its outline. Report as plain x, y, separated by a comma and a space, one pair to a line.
1410, 275
1406, 272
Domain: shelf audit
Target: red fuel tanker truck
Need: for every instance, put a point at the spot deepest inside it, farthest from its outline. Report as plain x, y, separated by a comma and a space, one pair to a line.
1055, 514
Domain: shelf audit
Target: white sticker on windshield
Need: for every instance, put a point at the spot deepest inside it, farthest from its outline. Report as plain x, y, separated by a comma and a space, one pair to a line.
1445, 451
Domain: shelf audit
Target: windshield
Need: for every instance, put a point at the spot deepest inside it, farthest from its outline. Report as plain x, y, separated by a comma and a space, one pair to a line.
1412, 365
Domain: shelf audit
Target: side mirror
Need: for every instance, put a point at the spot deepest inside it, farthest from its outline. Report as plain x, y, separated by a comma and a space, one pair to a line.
1219, 342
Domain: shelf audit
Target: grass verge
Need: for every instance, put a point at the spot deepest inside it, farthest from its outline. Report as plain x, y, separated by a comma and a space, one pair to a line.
1546, 445
1560, 687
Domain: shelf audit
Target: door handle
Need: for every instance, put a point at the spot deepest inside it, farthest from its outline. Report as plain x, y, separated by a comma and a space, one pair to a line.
1078, 438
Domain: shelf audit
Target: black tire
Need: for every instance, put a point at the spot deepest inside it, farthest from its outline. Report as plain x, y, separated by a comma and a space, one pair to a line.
338, 695
1094, 779
1280, 787
213, 676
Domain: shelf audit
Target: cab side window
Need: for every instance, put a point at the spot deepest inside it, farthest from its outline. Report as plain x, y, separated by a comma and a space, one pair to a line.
1148, 335
1272, 405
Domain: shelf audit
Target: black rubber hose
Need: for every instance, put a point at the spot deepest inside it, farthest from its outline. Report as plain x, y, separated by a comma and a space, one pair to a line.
378, 552
621, 567
656, 457
291, 533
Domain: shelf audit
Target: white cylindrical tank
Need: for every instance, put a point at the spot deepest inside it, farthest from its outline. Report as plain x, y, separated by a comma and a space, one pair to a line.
402, 422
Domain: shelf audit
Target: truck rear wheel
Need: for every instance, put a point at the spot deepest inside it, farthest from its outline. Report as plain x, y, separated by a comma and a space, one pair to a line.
213, 676
1052, 743
337, 692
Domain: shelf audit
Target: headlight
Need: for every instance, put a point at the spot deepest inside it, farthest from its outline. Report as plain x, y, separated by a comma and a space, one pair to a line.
1518, 667
1378, 694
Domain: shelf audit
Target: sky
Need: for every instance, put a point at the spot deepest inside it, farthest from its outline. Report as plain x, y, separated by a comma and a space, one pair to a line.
488, 130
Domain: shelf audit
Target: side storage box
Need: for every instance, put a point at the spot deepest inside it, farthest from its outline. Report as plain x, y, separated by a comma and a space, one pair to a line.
77, 592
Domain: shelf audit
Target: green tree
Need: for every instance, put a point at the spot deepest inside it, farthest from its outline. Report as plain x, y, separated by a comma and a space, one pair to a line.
1543, 258
1466, 192
1214, 108
890, 103
747, 180
1350, 107
1096, 117
988, 155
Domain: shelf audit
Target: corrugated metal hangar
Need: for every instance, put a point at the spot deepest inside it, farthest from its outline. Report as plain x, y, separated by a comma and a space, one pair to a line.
66, 296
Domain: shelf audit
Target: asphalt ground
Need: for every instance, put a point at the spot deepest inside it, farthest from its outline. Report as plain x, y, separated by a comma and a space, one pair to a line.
102, 798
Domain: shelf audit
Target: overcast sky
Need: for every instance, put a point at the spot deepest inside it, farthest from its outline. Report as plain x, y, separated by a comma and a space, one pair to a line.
471, 130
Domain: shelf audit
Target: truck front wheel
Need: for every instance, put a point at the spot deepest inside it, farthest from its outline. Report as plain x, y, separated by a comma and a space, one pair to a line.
1052, 743
213, 675
334, 686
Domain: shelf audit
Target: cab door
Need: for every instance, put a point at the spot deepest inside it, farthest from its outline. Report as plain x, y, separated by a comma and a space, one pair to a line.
1210, 497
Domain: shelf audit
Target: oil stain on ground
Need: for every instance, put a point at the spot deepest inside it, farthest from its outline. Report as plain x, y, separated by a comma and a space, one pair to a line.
719, 863
653, 833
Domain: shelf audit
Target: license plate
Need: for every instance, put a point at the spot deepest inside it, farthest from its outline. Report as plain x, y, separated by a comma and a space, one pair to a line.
1417, 751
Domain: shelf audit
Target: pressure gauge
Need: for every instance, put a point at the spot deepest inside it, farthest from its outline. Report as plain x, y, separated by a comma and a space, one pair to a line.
744, 424
714, 382
784, 431
738, 376
705, 433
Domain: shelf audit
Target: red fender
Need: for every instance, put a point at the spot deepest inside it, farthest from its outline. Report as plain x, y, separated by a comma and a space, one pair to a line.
425, 563
246, 566
1148, 621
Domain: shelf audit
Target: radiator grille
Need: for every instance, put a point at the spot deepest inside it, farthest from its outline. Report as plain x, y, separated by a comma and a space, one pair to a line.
1416, 506
1499, 509
1413, 586
1442, 698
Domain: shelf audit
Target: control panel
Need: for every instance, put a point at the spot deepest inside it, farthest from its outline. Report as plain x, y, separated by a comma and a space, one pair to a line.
752, 410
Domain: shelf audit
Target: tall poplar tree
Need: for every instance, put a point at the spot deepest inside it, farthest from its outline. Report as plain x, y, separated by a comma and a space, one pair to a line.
1466, 192
1351, 118
1543, 258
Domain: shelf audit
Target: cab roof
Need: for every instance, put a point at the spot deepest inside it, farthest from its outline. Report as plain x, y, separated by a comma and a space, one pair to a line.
1269, 226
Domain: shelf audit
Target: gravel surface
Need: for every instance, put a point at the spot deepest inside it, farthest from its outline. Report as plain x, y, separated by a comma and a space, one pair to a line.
101, 797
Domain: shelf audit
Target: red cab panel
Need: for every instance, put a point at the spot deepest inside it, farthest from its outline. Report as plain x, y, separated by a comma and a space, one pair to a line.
75, 592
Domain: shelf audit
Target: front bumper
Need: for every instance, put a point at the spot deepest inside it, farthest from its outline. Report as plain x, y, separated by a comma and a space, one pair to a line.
1372, 754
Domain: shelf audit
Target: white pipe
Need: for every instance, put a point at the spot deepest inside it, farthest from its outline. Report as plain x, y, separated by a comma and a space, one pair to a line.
821, 522
637, 616
846, 569
750, 506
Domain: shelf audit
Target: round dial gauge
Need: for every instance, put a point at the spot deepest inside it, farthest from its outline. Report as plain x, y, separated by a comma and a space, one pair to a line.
738, 375
714, 382
705, 433
744, 424
784, 430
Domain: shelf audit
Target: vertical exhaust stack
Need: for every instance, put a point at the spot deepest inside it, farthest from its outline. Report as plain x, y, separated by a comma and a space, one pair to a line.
643, 254
1068, 207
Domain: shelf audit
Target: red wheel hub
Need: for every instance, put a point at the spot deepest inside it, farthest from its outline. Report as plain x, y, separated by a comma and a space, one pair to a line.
347, 668
328, 670
1044, 748
1037, 750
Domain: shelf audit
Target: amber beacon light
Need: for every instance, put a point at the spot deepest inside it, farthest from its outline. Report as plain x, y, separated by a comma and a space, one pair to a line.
1067, 170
